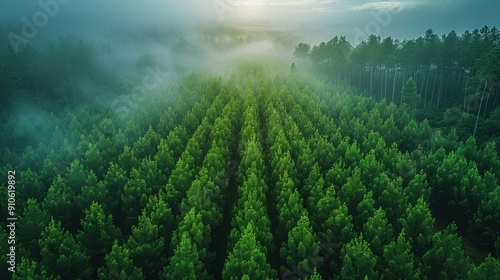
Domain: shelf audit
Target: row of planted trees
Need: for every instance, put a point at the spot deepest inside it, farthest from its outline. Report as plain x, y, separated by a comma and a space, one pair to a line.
451, 70
254, 178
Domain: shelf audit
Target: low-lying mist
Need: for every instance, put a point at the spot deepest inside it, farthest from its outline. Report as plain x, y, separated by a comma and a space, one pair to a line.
120, 66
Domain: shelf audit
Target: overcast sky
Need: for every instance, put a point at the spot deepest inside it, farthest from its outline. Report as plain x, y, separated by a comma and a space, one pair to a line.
353, 18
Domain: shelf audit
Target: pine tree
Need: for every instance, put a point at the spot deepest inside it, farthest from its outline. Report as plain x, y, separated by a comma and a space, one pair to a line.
29, 185
301, 251
128, 160
394, 201
92, 191
149, 171
353, 191
119, 265
399, 261
365, 209
199, 233
31, 269
290, 213
180, 181
339, 225
94, 160
147, 247
358, 261
313, 187
323, 209
410, 96
370, 168
31, 224
161, 215
489, 269
315, 276
147, 144
134, 198
378, 232
254, 211
76, 176
114, 180
247, 259
446, 259
418, 225
97, 234
202, 195
61, 255
486, 221
338, 174
293, 69
418, 187
58, 202
185, 263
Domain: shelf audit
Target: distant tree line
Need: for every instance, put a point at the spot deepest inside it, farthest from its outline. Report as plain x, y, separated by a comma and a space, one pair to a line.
51, 78
451, 70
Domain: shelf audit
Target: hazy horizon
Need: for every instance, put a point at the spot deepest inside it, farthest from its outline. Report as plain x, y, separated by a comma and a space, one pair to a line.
315, 21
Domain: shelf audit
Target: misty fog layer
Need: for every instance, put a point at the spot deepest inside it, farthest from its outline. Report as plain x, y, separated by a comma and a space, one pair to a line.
90, 19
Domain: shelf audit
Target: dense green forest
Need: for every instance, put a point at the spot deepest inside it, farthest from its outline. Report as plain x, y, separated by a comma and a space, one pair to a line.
457, 76
363, 168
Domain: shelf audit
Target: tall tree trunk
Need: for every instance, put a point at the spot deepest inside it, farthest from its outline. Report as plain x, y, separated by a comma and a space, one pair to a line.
371, 80
494, 101
487, 101
426, 85
359, 79
350, 76
441, 84
465, 91
479, 110
71, 81
433, 88
385, 89
394, 85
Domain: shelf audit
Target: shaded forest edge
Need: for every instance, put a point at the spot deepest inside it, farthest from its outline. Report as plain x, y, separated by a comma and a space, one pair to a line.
457, 76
